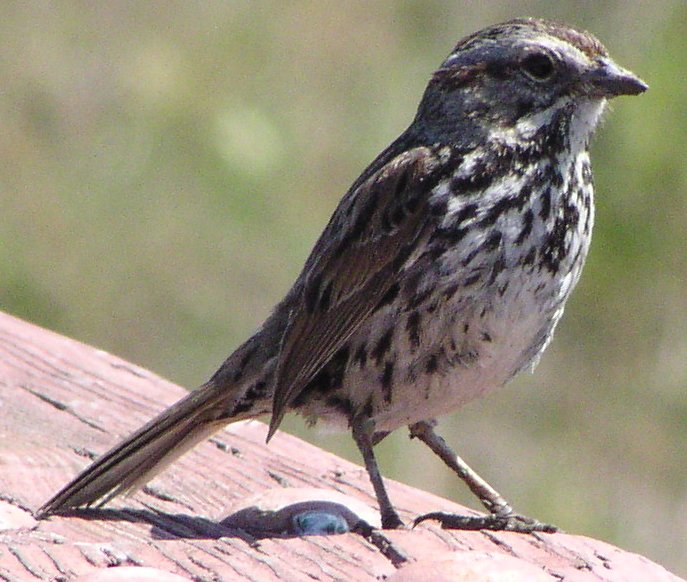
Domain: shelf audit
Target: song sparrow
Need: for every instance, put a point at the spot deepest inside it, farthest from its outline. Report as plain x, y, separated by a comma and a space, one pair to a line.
441, 274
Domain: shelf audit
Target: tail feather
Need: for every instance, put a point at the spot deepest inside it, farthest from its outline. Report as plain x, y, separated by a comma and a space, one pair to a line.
132, 463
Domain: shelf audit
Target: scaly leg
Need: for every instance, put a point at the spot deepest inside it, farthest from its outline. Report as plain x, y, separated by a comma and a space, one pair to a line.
501, 515
363, 430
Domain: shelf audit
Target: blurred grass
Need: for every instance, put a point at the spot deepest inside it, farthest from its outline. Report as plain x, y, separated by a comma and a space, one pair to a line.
166, 167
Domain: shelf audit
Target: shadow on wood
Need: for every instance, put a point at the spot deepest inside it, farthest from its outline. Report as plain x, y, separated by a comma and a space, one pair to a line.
231, 508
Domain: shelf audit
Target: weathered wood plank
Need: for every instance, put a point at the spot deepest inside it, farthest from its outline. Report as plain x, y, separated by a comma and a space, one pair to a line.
62, 402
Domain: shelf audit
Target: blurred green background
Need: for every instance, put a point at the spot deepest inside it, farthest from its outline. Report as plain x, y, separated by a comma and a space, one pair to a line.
165, 168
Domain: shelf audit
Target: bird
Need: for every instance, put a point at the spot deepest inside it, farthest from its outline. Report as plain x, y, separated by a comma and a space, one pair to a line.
440, 276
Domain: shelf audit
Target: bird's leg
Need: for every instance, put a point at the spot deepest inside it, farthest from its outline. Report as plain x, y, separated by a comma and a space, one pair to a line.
490, 498
501, 515
363, 430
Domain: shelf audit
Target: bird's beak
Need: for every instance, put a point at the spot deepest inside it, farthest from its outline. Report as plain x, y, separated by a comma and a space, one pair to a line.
608, 80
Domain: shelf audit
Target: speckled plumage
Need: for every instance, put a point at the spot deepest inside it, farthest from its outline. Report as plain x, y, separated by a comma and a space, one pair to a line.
441, 274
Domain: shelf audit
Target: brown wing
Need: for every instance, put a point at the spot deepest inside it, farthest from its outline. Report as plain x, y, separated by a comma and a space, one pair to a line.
352, 267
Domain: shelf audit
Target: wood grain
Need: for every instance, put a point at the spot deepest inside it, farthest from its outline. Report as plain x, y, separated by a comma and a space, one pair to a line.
62, 403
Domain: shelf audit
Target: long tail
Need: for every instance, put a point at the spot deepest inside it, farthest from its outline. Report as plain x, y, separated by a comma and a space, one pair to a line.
145, 453
165, 438
241, 388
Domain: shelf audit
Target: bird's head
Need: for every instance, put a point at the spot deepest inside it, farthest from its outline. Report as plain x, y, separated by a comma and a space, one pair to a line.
521, 77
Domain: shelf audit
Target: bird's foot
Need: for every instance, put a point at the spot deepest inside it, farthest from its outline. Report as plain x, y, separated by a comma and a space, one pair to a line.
494, 522
390, 520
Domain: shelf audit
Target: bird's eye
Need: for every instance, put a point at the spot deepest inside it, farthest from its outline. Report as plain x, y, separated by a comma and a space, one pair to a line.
538, 66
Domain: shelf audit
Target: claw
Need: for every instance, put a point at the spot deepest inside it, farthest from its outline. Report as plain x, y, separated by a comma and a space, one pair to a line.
514, 522
392, 521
